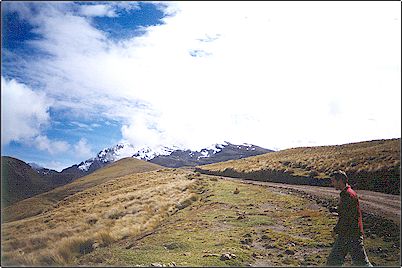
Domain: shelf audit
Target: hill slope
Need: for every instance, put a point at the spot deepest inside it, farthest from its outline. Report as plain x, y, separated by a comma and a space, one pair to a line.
20, 181
371, 165
175, 217
37, 204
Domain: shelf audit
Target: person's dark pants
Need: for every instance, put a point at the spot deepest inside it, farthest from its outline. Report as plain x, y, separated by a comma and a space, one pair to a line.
345, 245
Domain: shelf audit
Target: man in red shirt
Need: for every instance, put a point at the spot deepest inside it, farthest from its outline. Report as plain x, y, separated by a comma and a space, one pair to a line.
349, 229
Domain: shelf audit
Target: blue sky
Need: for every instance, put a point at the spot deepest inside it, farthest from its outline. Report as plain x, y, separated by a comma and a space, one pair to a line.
78, 77
64, 126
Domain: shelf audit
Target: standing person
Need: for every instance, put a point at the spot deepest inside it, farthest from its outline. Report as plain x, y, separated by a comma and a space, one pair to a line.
349, 229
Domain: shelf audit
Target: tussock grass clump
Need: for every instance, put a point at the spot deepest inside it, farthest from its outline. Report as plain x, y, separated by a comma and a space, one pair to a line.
104, 238
96, 217
115, 213
187, 202
74, 246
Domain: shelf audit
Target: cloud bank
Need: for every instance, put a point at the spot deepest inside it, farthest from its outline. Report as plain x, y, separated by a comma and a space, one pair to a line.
274, 74
25, 116
24, 111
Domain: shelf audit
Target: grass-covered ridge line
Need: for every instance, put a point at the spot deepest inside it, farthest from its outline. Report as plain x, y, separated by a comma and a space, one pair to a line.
45, 201
371, 165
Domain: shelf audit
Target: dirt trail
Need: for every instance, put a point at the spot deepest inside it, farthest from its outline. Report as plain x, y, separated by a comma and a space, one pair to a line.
384, 205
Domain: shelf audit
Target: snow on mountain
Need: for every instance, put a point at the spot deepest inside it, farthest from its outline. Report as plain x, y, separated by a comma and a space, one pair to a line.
123, 150
146, 153
211, 150
170, 156
85, 165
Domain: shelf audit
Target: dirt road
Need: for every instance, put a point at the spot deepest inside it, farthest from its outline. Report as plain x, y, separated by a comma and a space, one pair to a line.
384, 205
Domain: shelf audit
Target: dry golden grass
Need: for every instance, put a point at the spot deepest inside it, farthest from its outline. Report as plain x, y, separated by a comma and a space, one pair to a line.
40, 203
371, 160
320, 160
126, 206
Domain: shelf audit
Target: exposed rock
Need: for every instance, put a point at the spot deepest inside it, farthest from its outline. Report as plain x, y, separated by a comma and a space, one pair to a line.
157, 264
95, 245
227, 256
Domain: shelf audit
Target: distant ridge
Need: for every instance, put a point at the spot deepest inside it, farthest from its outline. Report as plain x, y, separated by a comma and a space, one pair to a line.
162, 155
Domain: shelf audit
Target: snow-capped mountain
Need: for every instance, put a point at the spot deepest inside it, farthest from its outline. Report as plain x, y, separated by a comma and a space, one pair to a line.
212, 154
165, 156
47, 179
122, 150
170, 157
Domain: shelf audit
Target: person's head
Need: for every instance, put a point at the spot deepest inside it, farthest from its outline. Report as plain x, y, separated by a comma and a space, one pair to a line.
339, 179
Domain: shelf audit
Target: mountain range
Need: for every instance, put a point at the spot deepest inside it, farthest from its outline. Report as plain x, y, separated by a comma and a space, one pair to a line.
21, 180
172, 157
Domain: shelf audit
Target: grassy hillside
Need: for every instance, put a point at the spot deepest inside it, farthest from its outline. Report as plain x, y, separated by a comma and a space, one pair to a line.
179, 218
40, 203
20, 181
121, 207
371, 165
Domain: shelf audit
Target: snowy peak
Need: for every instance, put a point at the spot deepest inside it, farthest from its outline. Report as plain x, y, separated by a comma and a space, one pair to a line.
171, 157
146, 153
115, 153
84, 166
216, 148
212, 154
123, 150
211, 150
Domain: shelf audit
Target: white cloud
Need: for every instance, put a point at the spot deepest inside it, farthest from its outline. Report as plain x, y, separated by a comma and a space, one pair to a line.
55, 165
273, 74
52, 146
107, 9
23, 112
97, 11
82, 149
24, 116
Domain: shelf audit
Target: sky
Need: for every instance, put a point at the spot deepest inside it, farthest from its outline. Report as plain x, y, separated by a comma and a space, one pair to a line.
78, 77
